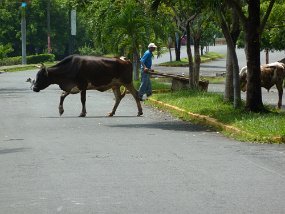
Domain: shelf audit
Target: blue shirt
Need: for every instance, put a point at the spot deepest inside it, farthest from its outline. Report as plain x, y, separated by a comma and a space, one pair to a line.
147, 59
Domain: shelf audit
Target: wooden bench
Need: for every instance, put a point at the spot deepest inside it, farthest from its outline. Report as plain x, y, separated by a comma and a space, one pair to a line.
181, 82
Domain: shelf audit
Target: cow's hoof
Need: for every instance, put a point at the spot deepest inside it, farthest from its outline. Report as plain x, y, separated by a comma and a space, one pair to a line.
82, 114
60, 110
111, 114
140, 114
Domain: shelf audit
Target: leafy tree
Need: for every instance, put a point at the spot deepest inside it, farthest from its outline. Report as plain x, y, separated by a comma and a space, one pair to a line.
230, 26
4, 50
10, 25
253, 26
273, 36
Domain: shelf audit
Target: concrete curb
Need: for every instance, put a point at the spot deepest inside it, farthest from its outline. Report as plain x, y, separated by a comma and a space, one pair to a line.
206, 120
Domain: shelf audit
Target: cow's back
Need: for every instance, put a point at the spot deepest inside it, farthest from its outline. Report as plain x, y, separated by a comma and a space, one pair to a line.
101, 70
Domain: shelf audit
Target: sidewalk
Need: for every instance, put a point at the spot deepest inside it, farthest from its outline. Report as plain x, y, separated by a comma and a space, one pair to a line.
4, 68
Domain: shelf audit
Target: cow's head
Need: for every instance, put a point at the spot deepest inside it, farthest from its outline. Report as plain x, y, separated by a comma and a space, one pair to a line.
243, 78
42, 79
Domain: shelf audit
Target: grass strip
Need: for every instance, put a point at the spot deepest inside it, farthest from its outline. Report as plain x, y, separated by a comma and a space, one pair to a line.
254, 127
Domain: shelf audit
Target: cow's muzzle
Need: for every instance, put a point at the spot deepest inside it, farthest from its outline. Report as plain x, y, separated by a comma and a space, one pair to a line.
35, 89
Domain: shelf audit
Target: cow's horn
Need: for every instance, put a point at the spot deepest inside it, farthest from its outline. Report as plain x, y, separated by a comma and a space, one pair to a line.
38, 66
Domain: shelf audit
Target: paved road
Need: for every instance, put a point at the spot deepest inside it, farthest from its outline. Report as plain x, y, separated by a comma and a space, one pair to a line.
217, 66
125, 164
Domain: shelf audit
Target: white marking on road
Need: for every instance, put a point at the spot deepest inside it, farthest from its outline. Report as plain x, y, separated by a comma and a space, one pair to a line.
264, 168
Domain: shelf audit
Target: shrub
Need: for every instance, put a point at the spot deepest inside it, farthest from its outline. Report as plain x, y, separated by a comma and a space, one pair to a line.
17, 60
32, 59
4, 50
87, 50
40, 58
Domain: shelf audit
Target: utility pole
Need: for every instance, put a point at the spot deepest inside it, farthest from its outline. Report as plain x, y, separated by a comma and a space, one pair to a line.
23, 32
72, 29
48, 27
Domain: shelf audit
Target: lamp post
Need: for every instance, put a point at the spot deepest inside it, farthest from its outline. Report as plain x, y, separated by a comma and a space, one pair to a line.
72, 29
23, 32
48, 27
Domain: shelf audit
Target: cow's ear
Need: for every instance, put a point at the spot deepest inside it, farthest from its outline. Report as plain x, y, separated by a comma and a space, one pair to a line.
44, 67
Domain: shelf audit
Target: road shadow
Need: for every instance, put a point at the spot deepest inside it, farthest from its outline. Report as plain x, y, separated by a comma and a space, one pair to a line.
169, 126
88, 117
14, 150
14, 90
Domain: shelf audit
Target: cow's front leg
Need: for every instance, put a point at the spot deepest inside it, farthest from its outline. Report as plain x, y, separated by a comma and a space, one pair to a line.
62, 97
83, 101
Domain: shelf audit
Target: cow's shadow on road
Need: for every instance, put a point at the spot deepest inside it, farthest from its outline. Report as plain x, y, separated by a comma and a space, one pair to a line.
87, 117
167, 125
14, 150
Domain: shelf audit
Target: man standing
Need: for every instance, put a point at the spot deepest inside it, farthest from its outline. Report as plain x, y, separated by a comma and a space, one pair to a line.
146, 63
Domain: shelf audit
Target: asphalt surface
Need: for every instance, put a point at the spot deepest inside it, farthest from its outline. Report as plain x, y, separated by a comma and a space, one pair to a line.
213, 67
124, 164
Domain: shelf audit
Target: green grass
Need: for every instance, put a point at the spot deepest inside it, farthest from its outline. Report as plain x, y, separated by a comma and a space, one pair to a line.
214, 80
260, 127
157, 84
184, 61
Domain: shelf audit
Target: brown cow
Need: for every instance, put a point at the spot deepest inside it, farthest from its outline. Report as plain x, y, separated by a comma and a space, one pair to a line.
271, 74
76, 74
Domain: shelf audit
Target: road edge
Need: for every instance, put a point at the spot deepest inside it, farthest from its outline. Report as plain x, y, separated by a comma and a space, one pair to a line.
209, 121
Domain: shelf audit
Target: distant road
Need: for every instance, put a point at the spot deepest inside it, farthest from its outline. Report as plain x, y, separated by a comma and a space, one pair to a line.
216, 66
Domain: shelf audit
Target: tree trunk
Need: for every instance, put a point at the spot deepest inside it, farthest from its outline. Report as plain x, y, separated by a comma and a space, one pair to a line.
177, 47
229, 88
234, 63
190, 58
266, 56
229, 94
170, 54
253, 95
169, 44
197, 60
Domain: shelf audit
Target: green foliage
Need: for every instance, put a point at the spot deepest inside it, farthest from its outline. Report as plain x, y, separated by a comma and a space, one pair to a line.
32, 59
87, 50
4, 50
17, 60
40, 58
156, 84
273, 35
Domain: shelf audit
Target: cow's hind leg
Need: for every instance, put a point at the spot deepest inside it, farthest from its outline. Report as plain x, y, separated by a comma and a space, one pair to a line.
83, 102
118, 98
62, 97
279, 87
135, 94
